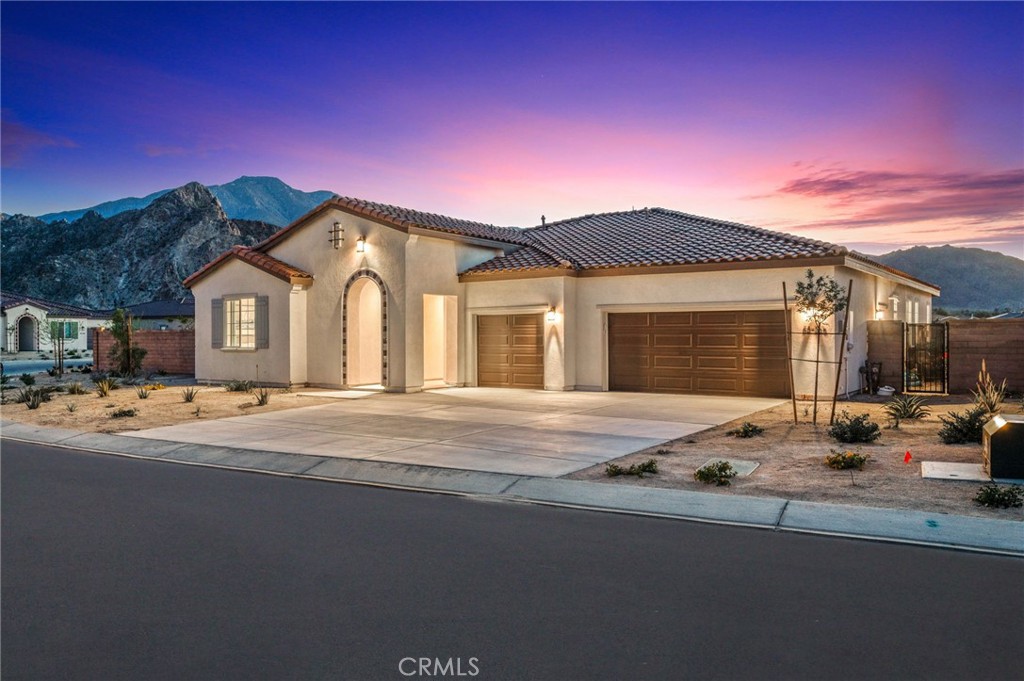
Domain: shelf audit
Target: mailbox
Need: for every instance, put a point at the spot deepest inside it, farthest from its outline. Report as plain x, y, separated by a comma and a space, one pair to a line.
1003, 441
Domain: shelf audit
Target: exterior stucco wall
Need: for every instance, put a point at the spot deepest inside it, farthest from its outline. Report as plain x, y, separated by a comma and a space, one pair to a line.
9, 322
220, 364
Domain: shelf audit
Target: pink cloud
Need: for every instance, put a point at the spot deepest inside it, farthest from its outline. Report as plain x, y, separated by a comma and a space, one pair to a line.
19, 141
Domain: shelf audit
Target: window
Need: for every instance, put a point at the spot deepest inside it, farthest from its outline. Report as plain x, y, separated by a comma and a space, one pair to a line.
240, 323
66, 330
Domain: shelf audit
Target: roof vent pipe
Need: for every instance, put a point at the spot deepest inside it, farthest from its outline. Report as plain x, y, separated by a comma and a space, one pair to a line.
543, 220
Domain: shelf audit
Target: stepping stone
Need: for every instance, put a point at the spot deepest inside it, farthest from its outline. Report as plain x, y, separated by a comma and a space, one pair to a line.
742, 468
940, 470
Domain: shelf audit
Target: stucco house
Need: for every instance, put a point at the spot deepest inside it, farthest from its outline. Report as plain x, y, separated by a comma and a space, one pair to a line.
356, 293
31, 324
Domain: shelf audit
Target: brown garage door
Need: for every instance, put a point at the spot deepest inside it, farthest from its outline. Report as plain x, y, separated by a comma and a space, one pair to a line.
724, 353
510, 351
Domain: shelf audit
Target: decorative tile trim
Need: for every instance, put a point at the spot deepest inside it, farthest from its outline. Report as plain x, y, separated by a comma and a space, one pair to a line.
376, 278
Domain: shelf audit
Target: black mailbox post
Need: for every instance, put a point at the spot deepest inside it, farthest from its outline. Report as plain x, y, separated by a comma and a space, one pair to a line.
1003, 440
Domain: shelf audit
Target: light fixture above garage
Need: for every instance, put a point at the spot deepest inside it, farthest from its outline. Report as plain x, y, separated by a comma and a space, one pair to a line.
361, 244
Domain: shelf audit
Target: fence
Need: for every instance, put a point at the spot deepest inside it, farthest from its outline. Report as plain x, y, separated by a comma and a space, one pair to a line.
170, 351
1000, 342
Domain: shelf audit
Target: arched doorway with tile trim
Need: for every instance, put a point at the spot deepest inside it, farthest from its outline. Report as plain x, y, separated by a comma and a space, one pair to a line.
364, 331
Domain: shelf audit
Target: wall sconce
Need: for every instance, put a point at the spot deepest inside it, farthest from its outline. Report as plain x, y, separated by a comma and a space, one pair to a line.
880, 309
361, 244
552, 315
808, 314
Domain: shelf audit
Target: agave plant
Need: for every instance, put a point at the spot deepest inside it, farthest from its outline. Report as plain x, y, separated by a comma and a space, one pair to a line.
906, 407
988, 395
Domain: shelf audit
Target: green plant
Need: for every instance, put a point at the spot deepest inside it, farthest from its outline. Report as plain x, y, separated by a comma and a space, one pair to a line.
125, 353
123, 413
76, 388
262, 397
906, 407
142, 392
37, 396
841, 461
238, 386
963, 427
104, 386
189, 394
71, 407
748, 429
638, 469
995, 496
663, 452
34, 399
988, 394
718, 472
27, 379
849, 428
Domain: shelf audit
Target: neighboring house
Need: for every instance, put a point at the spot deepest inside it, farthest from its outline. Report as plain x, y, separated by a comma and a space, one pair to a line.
364, 294
32, 324
162, 315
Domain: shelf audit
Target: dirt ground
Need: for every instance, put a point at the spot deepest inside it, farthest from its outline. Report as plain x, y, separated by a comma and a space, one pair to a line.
162, 408
792, 466
791, 457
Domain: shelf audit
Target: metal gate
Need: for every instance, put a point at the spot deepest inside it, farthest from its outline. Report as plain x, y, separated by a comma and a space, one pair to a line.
925, 358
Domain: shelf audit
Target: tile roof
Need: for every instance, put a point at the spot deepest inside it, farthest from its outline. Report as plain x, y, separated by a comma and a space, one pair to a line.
650, 237
183, 307
404, 218
267, 263
9, 300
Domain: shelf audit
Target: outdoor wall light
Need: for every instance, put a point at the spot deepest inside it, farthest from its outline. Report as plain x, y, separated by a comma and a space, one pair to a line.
552, 315
337, 235
880, 309
361, 245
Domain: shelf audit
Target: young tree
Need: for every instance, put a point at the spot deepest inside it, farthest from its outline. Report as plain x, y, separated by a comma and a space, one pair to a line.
819, 300
126, 355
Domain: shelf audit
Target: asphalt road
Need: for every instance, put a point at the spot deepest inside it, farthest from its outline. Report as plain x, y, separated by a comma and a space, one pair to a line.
122, 569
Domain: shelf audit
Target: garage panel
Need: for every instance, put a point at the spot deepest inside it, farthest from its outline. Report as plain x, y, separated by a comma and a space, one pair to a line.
510, 351
740, 352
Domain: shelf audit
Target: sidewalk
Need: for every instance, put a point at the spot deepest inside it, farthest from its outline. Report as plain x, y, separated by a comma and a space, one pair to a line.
902, 526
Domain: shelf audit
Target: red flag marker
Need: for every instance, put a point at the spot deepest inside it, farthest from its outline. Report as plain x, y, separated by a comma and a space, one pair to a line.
907, 457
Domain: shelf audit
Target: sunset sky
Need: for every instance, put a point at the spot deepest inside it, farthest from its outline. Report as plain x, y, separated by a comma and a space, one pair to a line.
874, 125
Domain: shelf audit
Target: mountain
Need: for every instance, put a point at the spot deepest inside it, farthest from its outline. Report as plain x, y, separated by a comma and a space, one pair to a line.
266, 199
970, 278
135, 256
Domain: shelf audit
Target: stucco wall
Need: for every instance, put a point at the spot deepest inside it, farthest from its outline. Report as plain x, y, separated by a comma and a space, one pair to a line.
41, 340
221, 364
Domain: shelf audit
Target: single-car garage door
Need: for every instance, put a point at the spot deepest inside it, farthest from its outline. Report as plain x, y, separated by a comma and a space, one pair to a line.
723, 353
510, 351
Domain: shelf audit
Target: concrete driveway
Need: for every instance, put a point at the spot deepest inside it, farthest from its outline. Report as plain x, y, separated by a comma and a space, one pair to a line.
523, 432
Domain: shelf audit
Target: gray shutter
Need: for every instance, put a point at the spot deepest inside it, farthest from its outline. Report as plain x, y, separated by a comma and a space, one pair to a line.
217, 323
262, 322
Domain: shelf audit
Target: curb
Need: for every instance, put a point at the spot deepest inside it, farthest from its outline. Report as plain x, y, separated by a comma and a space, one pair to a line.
935, 530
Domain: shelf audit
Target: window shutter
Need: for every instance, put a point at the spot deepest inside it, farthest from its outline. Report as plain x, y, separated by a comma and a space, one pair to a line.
74, 330
217, 323
262, 322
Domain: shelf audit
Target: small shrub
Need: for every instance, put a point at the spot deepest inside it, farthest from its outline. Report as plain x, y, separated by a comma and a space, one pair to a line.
154, 386
104, 386
27, 379
963, 427
906, 407
988, 395
995, 496
854, 428
262, 397
844, 460
238, 386
123, 413
76, 388
748, 429
51, 372
35, 396
71, 407
638, 469
719, 473
33, 399
189, 394
663, 452
161, 372
198, 412
142, 392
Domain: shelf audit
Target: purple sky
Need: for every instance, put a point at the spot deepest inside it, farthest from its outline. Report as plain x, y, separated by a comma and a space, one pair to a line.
874, 125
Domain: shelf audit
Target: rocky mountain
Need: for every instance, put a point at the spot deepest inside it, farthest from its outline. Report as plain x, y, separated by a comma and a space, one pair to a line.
971, 278
266, 199
135, 256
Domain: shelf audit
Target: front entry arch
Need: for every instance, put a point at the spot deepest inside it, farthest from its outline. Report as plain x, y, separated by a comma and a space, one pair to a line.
364, 322
28, 334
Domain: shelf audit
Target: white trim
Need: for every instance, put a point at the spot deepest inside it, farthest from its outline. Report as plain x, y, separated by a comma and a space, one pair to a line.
885, 274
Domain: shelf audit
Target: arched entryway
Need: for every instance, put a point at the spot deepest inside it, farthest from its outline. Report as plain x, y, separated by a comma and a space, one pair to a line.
364, 331
28, 334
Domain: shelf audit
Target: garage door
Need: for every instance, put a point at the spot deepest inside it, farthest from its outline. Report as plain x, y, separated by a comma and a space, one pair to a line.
715, 353
510, 351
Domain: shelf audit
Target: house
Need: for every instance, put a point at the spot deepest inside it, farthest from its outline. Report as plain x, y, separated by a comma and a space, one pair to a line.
33, 324
356, 293
161, 315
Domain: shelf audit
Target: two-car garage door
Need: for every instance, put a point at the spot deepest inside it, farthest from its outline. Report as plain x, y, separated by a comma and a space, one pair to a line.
726, 353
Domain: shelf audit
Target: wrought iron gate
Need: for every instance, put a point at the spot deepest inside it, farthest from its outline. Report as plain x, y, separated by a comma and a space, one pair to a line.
925, 358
